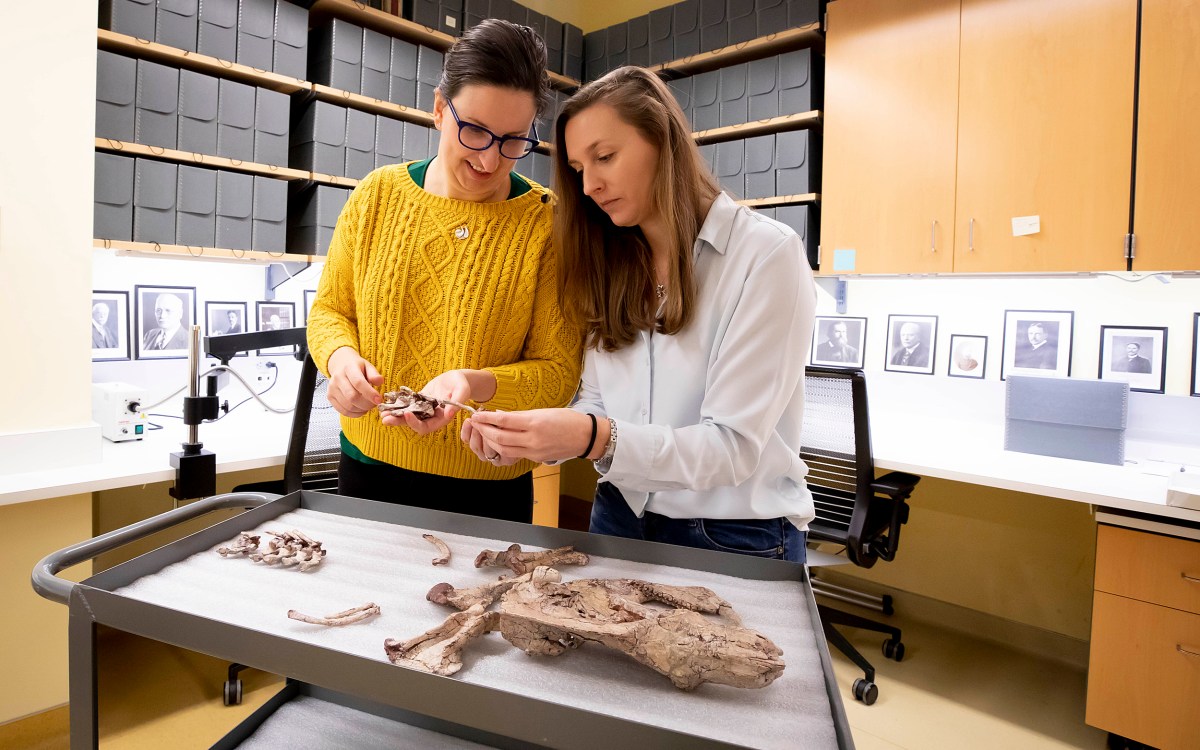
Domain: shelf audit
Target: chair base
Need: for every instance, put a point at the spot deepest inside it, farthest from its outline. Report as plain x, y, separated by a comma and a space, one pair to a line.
864, 689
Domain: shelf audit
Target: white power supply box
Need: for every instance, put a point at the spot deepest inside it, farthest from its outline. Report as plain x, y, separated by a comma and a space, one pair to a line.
117, 408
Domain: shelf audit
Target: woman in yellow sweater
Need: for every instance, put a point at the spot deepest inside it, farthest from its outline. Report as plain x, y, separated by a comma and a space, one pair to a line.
441, 276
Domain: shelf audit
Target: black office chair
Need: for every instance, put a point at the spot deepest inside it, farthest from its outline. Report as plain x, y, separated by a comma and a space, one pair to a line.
854, 508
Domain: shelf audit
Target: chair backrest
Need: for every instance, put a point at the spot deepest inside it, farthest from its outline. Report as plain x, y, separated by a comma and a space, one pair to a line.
315, 447
852, 509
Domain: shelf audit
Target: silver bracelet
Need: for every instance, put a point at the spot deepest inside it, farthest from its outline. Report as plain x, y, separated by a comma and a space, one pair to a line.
606, 460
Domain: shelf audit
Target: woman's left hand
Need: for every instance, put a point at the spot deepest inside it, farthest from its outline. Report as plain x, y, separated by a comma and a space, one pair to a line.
453, 385
538, 434
480, 447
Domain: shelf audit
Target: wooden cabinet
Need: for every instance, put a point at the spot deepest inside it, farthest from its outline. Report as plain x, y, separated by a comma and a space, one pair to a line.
1019, 108
1144, 668
1166, 219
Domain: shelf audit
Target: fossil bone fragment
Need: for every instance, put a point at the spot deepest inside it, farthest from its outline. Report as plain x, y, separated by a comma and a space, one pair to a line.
355, 614
243, 545
443, 549
405, 399
290, 548
546, 617
523, 562
485, 594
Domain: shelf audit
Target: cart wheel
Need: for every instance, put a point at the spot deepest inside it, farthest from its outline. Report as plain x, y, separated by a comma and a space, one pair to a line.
865, 691
233, 692
893, 649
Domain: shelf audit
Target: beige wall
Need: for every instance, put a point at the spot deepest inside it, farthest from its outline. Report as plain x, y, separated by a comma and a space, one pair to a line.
590, 15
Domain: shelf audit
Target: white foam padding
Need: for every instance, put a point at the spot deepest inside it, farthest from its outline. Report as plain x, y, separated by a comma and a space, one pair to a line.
390, 565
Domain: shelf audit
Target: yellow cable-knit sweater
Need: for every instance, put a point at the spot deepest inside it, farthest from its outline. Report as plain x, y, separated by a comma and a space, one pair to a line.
419, 284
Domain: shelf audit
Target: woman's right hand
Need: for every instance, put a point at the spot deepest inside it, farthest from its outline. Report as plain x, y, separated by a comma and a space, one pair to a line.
353, 383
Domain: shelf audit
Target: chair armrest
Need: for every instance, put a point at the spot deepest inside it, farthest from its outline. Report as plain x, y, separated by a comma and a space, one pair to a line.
895, 484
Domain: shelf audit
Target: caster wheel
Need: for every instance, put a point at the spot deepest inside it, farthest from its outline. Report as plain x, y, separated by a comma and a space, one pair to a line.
865, 691
888, 611
893, 649
233, 692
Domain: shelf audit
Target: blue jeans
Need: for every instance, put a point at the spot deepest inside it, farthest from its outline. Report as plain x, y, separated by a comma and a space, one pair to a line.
775, 538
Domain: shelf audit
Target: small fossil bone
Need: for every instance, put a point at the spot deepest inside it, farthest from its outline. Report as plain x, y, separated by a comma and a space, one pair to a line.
355, 614
439, 650
290, 548
443, 549
405, 399
523, 562
243, 545
485, 594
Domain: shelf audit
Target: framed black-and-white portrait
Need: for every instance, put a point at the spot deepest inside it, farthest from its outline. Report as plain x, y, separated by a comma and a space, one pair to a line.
309, 296
1037, 342
165, 316
911, 341
110, 326
968, 356
223, 318
1196, 354
839, 341
1136, 355
275, 316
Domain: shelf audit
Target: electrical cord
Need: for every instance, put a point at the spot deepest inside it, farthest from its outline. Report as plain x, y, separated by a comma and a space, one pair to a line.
253, 396
241, 380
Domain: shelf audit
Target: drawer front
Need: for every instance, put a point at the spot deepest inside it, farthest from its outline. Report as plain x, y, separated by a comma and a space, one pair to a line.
1140, 684
1150, 567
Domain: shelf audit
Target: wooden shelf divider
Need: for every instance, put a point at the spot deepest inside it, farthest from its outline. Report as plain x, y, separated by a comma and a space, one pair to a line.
256, 257
803, 121
781, 200
798, 38
374, 106
205, 160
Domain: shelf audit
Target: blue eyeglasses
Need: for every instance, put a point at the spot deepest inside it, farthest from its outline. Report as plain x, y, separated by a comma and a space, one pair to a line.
478, 138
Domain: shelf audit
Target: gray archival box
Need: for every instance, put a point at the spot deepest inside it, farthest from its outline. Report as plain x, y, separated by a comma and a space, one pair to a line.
270, 214
235, 120
235, 193
272, 112
175, 24
116, 84
256, 33
113, 207
197, 112
291, 40
156, 122
1066, 418
217, 33
154, 202
196, 220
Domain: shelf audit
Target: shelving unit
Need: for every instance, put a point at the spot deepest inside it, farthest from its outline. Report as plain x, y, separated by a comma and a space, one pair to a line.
803, 121
782, 200
374, 106
126, 148
798, 38
256, 257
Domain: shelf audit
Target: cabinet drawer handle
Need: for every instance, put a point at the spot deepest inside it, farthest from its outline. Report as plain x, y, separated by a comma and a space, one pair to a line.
1183, 650
1187, 577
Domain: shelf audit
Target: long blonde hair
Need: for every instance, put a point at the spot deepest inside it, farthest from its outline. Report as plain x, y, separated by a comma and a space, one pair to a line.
606, 274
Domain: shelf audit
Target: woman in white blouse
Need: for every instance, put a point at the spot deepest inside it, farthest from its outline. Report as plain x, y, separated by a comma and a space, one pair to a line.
698, 314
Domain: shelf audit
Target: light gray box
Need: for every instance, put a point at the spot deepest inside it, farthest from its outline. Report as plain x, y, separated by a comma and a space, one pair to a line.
112, 213
315, 211
504, 9
573, 51
130, 17
424, 12
760, 167
763, 89
235, 203
319, 139
376, 60
156, 121
714, 34
767, 211
595, 59
1066, 418
662, 47
197, 112
116, 86
416, 142
175, 24
235, 120
795, 82
709, 152
735, 104
196, 219
536, 21
271, 119
554, 45
335, 55
731, 164
429, 73
685, 28
474, 13
217, 32
290, 40
402, 73
451, 17
389, 141
256, 32
360, 144
269, 213
803, 12
154, 202
537, 167
741, 20
681, 89
793, 163
616, 46
706, 104
803, 221
771, 16
639, 41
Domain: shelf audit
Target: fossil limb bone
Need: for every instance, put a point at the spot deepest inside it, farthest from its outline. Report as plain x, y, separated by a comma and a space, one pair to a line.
243, 545
523, 562
290, 548
439, 650
485, 594
406, 400
443, 549
355, 614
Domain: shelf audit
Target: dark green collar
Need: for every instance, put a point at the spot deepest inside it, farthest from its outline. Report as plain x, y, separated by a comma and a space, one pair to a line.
517, 185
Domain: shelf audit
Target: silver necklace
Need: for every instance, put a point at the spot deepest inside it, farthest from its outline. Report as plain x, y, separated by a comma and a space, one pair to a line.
660, 291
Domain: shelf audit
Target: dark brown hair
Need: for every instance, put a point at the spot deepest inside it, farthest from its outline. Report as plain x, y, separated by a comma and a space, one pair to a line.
606, 274
498, 53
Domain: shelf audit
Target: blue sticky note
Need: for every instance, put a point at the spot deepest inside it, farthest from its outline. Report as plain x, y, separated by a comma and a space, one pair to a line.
843, 260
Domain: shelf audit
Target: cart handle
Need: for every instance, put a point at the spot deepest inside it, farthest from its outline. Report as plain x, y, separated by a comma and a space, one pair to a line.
50, 586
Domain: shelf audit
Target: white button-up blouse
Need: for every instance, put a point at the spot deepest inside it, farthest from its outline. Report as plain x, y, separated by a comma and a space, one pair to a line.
709, 419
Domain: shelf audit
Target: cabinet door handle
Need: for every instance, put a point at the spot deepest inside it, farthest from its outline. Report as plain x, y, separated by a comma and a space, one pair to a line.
1187, 577
1179, 647
971, 236
933, 236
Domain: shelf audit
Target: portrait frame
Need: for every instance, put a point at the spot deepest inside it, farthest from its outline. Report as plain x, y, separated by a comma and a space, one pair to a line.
923, 363
309, 296
145, 299
1020, 357
1144, 367
116, 324
965, 349
263, 312
216, 314
1196, 354
856, 339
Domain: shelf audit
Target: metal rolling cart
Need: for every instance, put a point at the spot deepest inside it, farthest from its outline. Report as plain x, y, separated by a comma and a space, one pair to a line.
462, 706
